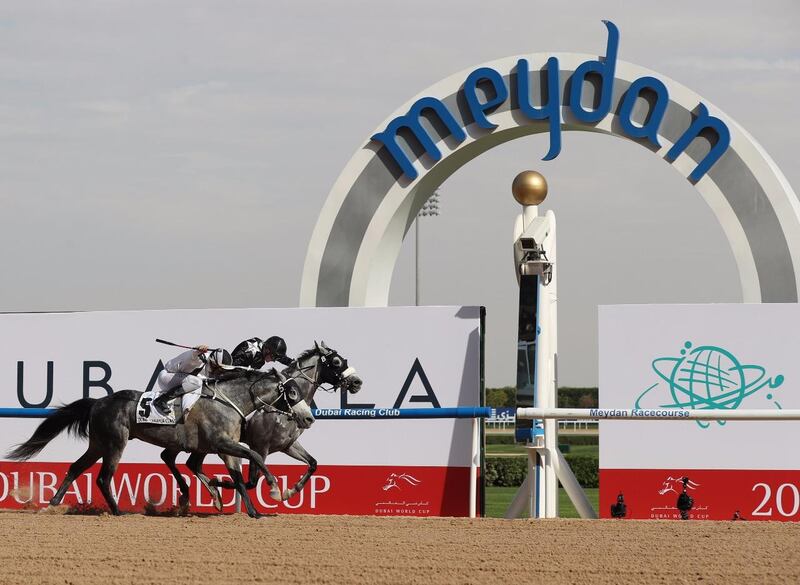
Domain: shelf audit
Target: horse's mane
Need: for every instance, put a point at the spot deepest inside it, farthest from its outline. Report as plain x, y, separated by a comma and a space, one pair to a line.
223, 375
306, 354
237, 374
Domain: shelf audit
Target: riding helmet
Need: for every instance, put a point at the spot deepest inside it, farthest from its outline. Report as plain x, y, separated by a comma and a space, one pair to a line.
275, 345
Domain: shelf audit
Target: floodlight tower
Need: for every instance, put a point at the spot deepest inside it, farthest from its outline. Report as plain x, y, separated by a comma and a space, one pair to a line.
537, 351
429, 208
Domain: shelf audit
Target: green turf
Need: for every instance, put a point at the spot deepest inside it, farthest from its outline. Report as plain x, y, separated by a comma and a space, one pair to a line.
498, 499
588, 450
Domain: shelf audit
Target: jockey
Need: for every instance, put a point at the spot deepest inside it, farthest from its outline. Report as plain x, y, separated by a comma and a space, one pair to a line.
254, 353
181, 374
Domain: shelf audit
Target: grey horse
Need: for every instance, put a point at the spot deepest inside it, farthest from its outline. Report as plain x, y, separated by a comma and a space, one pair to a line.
214, 425
272, 431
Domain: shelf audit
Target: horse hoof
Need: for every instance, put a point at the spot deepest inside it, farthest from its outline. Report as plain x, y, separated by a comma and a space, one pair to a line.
217, 502
287, 494
275, 494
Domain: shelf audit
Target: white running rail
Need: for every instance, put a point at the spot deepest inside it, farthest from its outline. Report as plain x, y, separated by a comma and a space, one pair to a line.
656, 414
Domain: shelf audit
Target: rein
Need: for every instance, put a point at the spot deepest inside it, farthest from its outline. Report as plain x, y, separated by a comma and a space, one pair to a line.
300, 372
224, 399
271, 405
316, 385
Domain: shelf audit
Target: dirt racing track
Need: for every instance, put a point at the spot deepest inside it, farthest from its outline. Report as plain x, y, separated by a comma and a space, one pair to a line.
43, 547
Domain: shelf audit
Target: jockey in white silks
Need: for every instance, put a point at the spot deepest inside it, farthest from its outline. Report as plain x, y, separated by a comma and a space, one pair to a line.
181, 375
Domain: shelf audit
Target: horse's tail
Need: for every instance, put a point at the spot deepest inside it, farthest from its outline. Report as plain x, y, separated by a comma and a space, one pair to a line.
73, 417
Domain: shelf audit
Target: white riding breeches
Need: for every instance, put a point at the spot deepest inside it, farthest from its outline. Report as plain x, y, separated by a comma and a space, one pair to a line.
169, 380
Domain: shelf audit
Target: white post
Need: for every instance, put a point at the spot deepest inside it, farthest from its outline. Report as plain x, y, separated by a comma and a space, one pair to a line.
545, 368
533, 485
522, 498
541, 400
473, 468
545, 479
573, 488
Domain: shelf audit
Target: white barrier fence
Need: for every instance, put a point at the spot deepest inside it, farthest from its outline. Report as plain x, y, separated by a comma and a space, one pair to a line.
573, 425
656, 414
527, 492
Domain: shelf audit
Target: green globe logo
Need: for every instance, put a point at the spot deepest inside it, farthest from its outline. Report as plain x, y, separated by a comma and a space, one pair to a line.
708, 377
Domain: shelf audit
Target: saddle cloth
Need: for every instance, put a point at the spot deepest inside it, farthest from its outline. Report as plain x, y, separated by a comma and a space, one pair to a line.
147, 413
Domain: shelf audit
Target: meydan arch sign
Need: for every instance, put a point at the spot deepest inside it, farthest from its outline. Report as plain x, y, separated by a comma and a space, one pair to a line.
375, 200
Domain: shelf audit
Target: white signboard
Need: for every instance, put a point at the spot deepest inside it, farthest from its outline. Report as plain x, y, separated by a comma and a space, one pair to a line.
724, 356
406, 356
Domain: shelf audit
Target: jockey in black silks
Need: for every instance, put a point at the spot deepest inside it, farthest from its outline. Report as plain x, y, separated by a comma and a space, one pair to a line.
185, 373
254, 353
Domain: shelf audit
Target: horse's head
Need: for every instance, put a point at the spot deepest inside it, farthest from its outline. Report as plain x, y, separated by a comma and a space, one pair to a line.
301, 411
334, 370
323, 365
289, 399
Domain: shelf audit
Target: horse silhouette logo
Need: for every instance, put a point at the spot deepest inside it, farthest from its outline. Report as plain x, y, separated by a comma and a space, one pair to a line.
675, 485
395, 481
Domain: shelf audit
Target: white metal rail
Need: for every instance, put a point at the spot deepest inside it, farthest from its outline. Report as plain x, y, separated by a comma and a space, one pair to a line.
656, 414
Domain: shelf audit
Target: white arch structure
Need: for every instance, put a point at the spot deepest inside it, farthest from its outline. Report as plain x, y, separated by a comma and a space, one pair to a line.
358, 236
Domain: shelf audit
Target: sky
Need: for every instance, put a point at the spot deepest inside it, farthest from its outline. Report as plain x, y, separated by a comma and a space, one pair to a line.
165, 155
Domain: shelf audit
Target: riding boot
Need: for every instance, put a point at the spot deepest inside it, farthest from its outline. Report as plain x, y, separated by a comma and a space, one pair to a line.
161, 402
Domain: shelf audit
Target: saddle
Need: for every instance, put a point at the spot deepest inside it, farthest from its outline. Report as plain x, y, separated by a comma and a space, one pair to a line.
179, 406
147, 413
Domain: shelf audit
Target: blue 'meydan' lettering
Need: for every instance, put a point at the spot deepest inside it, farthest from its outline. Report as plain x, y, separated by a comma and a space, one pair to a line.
550, 110
649, 129
605, 70
413, 122
700, 123
477, 108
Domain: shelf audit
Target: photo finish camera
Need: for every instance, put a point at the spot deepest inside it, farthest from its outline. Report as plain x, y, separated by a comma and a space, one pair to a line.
529, 251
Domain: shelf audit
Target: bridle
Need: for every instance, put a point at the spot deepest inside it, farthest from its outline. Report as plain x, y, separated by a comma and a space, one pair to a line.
260, 403
264, 405
270, 407
324, 359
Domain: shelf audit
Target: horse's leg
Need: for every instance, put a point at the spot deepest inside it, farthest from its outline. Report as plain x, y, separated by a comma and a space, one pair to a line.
296, 451
83, 463
195, 464
232, 463
113, 453
168, 457
252, 478
239, 450
252, 475
224, 483
110, 461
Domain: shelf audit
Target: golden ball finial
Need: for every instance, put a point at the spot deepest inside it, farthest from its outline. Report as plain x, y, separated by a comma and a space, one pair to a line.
529, 188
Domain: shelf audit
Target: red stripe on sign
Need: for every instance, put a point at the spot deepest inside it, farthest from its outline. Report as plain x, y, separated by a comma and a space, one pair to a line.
717, 494
333, 489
